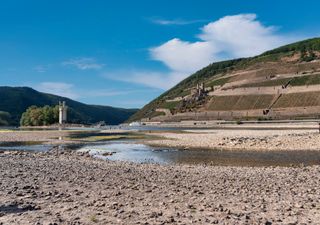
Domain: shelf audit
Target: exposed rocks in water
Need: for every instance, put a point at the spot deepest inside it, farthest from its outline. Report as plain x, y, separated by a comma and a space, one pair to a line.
69, 188
107, 153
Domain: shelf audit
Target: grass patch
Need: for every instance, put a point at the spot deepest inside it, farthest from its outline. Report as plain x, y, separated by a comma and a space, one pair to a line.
170, 105
4, 131
93, 219
268, 83
306, 80
183, 93
218, 82
156, 113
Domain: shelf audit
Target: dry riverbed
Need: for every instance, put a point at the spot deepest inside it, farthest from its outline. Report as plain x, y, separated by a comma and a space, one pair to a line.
68, 188
241, 139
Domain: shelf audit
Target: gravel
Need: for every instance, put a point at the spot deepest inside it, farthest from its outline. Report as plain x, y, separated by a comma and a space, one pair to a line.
72, 188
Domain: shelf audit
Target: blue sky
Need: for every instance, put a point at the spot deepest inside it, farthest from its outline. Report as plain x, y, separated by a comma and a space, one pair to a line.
125, 53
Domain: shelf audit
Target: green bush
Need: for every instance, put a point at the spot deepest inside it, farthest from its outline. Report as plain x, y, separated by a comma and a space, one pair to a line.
239, 122
4, 118
40, 116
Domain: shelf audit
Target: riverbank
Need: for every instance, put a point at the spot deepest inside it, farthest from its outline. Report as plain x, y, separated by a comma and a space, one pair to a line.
241, 139
47, 136
70, 188
233, 137
53, 137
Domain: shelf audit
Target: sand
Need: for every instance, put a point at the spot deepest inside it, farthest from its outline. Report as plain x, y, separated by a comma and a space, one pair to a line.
26, 136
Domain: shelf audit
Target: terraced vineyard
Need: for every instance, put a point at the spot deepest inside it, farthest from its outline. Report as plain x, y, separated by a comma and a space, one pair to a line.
240, 102
268, 83
298, 100
306, 80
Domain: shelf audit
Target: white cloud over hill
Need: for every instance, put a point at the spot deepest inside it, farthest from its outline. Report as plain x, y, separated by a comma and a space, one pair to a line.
229, 37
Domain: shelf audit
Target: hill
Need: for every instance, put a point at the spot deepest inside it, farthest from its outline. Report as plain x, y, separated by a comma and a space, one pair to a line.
266, 86
15, 100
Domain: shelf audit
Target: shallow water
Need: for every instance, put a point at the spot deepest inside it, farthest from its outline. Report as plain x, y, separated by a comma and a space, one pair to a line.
139, 153
35, 146
19, 146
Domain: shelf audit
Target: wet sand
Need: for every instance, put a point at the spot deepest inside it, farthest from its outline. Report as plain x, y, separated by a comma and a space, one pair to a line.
54, 136
68, 188
35, 136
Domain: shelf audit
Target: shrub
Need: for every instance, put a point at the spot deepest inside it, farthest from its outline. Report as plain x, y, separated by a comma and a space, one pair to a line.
4, 118
40, 116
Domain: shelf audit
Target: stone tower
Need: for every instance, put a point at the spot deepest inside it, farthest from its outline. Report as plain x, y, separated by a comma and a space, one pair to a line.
62, 112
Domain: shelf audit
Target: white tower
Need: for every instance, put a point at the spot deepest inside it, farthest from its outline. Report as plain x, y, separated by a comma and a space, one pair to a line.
62, 112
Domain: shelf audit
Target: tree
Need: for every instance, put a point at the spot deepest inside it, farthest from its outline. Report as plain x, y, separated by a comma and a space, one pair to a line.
4, 118
40, 116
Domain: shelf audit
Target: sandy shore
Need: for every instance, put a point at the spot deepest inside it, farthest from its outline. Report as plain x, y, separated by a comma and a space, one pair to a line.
49, 136
68, 188
39, 136
241, 139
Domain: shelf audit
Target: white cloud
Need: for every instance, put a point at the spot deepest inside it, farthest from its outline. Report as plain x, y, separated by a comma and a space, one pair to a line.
58, 88
229, 37
175, 21
151, 79
242, 35
182, 56
84, 63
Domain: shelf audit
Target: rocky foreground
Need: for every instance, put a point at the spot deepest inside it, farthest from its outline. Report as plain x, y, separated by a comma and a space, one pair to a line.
68, 188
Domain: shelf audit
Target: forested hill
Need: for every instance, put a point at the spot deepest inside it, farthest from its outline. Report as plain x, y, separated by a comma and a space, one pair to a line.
15, 100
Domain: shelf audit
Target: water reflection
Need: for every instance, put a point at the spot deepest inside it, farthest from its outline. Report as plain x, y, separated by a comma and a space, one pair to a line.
28, 147
140, 153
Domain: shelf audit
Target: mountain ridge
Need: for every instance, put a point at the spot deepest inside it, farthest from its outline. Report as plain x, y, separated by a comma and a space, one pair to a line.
15, 100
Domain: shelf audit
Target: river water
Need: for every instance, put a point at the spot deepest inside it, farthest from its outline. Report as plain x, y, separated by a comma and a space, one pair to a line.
140, 153
128, 150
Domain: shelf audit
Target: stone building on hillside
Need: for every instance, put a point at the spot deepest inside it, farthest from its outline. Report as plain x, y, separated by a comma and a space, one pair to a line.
198, 93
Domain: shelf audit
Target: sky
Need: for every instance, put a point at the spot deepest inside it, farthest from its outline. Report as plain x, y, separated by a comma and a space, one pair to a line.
126, 53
